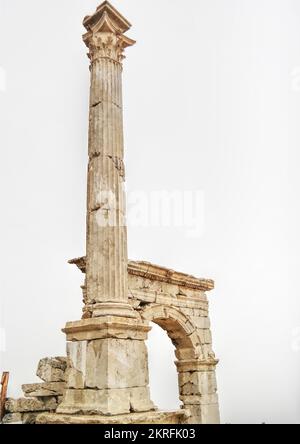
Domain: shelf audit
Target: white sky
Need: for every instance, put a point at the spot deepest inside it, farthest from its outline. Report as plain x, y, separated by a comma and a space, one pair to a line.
212, 101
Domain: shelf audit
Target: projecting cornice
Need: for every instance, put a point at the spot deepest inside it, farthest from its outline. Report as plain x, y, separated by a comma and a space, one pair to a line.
157, 273
105, 37
107, 10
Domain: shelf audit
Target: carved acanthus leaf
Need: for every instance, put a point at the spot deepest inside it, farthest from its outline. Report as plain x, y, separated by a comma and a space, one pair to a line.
105, 38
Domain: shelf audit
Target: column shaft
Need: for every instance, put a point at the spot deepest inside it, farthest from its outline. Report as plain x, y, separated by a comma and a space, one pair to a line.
106, 208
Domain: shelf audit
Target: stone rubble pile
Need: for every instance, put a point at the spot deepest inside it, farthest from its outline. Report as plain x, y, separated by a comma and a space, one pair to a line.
41, 397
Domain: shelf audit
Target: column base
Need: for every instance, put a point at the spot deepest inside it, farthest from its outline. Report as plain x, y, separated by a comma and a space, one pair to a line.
106, 402
107, 367
104, 309
175, 417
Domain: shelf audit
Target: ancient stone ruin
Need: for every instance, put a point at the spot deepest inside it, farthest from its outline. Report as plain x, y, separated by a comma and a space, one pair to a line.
42, 397
104, 378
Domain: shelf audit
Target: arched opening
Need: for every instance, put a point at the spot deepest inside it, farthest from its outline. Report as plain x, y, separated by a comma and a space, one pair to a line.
163, 375
182, 339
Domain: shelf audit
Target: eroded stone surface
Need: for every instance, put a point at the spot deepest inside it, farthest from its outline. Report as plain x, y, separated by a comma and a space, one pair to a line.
96, 402
77, 364
204, 414
30, 418
106, 402
140, 400
197, 383
12, 418
179, 417
117, 363
30, 405
52, 369
44, 389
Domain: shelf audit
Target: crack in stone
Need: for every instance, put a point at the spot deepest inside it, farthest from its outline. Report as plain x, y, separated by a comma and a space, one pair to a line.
97, 208
118, 106
119, 164
117, 161
94, 105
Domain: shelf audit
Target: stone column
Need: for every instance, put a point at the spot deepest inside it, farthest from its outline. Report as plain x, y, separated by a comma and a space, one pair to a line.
106, 273
108, 364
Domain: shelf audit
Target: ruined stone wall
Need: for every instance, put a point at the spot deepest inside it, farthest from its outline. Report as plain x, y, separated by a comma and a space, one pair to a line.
39, 397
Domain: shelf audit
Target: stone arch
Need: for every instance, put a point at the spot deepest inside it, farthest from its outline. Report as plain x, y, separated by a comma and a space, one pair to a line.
195, 364
180, 329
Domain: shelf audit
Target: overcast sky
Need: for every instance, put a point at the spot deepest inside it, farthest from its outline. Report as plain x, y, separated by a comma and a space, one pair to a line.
211, 105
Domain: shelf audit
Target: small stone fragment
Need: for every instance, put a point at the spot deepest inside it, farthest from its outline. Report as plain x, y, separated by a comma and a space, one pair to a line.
52, 369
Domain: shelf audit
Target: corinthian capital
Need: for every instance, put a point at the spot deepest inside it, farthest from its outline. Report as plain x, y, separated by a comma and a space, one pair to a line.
105, 37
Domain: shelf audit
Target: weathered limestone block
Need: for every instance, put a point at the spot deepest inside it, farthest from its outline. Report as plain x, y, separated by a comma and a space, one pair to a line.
44, 389
180, 302
156, 312
108, 363
171, 290
52, 369
199, 400
12, 418
165, 299
183, 354
206, 336
96, 402
204, 414
197, 301
197, 383
140, 400
201, 311
188, 311
179, 417
183, 320
141, 283
76, 352
107, 327
30, 405
197, 346
207, 351
116, 363
30, 418
201, 322
145, 296
194, 304
190, 293
196, 365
